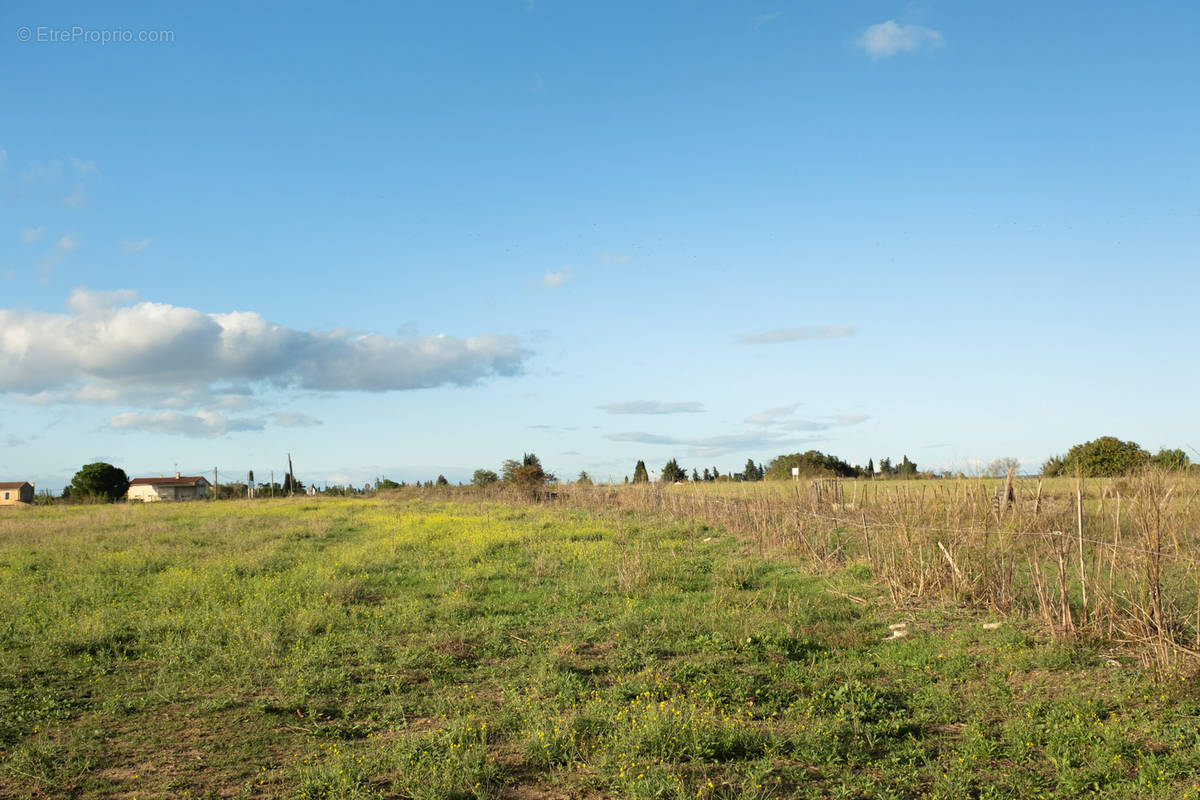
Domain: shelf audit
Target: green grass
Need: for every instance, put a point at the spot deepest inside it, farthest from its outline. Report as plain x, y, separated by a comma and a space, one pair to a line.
411, 649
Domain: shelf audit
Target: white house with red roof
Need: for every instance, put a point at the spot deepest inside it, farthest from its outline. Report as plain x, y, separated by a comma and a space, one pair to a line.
181, 487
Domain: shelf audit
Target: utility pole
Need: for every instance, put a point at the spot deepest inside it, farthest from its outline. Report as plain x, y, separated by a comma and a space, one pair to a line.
291, 477
272, 483
216, 485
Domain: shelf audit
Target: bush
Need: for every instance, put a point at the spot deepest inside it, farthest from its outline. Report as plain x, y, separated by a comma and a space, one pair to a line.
1105, 457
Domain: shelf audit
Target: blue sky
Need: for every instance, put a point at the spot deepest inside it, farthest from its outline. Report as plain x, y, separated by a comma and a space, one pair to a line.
425, 238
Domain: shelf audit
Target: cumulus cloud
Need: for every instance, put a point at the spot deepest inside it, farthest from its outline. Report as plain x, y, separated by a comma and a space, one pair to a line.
66, 244
653, 407
202, 424
552, 280
82, 167
32, 235
76, 198
889, 38
797, 334
106, 344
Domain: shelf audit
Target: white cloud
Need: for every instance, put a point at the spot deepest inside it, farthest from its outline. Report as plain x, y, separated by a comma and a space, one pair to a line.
32, 235
552, 280
82, 167
202, 424
770, 415
76, 198
763, 19
888, 38
825, 423
708, 446
797, 334
135, 246
67, 244
107, 345
653, 407
294, 419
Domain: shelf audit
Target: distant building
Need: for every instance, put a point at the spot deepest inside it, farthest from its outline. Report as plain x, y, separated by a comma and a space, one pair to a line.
181, 487
12, 493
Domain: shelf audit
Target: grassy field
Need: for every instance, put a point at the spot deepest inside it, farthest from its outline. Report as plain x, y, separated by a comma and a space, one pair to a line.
1100, 559
408, 648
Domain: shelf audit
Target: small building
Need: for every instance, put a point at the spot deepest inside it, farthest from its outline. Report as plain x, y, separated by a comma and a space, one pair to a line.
13, 492
181, 487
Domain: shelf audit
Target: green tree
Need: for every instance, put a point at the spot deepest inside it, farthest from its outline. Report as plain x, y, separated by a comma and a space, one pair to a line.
1105, 457
441, 481
386, 484
484, 477
1173, 460
584, 479
811, 463
526, 475
673, 473
640, 475
101, 481
1054, 467
870, 467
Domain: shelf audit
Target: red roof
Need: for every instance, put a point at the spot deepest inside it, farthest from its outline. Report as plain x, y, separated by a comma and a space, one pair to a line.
185, 480
14, 484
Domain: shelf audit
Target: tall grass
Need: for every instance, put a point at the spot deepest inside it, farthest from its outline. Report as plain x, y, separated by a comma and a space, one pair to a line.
1113, 559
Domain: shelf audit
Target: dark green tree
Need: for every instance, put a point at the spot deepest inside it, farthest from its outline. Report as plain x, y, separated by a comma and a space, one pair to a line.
908, 469
870, 467
584, 479
810, 463
707, 474
100, 480
673, 473
695, 476
441, 481
640, 475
